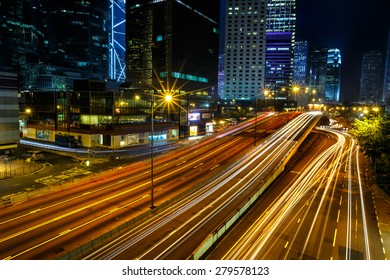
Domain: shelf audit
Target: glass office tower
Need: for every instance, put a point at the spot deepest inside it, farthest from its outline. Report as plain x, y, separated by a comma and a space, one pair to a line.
370, 79
172, 44
77, 35
333, 72
300, 62
386, 81
117, 39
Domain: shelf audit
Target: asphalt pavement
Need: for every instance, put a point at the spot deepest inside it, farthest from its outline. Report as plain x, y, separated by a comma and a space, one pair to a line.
61, 165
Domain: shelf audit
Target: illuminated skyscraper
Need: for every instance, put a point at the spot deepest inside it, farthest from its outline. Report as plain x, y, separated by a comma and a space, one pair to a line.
221, 76
41, 39
300, 62
77, 36
9, 110
386, 82
172, 45
172, 41
370, 79
21, 36
245, 28
317, 68
281, 21
300, 71
333, 72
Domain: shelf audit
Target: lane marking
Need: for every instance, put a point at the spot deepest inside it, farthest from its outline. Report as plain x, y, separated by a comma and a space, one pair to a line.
334, 238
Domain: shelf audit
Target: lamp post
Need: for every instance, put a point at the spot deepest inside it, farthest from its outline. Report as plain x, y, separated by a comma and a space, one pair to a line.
295, 90
266, 92
152, 157
167, 98
255, 122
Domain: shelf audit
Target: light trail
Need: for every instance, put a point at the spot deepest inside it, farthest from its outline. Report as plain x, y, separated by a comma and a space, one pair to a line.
99, 202
271, 149
320, 175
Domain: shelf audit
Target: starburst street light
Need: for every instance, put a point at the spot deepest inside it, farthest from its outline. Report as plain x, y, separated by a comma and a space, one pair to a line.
295, 90
165, 100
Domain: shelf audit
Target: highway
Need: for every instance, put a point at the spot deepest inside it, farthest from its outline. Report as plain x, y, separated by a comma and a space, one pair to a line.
55, 224
319, 209
176, 232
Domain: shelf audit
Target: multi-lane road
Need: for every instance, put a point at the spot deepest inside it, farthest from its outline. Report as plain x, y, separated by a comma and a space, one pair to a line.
319, 209
179, 231
56, 224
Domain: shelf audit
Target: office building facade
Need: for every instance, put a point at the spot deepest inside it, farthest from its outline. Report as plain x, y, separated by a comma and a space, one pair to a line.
333, 75
9, 111
77, 36
70, 36
245, 35
221, 76
21, 37
172, 41
172, 46
317, 69
281, 23
371, 78
300, 63
386, 80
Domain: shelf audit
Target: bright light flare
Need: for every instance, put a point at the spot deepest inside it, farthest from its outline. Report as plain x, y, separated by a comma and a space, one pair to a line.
168, 97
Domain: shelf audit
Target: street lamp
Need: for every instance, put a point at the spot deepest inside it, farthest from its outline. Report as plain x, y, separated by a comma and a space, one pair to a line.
168, 99
266, 93
295, 90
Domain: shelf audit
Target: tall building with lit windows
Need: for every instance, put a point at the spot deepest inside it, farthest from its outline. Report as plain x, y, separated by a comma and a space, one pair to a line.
41, 39
77, 35
245, 35
173, 43
300, 62
21, 36
386, 80
300, 70
9, 111
316, 73
371, 77
281, 22
333, 73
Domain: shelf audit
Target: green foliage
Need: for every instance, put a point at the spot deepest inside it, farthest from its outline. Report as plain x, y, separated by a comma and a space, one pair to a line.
373, 135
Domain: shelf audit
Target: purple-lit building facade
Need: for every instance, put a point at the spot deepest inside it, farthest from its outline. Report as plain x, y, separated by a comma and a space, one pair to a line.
280, 38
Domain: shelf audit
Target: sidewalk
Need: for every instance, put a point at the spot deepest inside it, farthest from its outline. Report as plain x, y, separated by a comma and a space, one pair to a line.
382, 203
18, 167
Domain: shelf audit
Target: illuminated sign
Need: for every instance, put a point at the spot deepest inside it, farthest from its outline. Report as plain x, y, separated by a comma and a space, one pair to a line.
206, 116
194, 117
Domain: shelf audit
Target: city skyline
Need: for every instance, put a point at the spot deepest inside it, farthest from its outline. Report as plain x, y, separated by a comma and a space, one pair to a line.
348, 23
353, 28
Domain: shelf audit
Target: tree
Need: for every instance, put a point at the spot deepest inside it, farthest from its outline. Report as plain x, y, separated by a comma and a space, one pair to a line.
373, 134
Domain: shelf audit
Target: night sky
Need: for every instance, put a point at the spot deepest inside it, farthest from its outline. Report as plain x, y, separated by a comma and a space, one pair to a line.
353, 26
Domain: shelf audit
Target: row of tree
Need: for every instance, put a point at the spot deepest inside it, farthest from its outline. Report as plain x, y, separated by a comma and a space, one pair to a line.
373, 135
